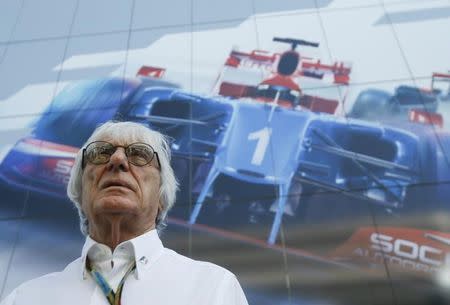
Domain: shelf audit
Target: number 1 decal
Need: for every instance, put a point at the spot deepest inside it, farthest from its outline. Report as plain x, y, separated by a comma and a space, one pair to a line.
263, 137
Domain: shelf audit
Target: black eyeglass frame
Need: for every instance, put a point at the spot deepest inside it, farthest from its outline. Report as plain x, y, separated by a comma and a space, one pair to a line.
83, 163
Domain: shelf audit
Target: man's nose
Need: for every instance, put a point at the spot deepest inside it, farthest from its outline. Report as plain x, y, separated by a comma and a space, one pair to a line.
118, 160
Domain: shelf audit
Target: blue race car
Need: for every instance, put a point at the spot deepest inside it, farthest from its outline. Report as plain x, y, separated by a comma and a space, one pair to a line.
42, 161
264, 144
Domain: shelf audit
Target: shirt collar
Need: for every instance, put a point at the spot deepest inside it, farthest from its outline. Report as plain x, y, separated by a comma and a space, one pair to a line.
144, 249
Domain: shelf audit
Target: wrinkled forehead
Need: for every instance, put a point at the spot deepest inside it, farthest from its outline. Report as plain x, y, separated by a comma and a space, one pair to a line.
123, 136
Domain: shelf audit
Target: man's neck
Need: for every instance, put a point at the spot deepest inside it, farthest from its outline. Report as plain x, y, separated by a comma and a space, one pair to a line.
115, 231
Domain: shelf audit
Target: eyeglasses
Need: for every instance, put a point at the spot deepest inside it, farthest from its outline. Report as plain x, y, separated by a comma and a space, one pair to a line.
100, 152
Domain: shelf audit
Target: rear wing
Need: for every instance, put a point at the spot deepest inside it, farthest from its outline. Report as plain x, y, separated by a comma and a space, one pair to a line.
255, 59
439, 77
150, 71
315, 69
440, 85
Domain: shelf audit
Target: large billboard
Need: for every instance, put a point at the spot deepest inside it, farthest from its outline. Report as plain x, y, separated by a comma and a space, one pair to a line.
310, 140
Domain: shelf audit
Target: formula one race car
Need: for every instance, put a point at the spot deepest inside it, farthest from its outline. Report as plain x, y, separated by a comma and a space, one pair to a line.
407, 103
288, 79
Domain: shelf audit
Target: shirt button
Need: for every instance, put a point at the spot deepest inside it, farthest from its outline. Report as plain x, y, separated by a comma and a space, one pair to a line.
143, 260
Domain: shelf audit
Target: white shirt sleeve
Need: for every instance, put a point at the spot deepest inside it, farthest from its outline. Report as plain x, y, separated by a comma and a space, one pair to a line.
9, 300
230, 292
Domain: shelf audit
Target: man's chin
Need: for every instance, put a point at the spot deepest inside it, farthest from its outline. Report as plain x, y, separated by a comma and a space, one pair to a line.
116, 205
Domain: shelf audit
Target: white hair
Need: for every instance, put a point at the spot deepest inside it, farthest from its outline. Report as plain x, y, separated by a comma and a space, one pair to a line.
128, 132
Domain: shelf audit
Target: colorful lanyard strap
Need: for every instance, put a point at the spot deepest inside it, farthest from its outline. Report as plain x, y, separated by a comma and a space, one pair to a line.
113, 298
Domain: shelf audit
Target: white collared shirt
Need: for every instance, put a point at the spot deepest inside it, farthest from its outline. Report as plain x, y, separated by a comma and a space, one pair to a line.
162, 276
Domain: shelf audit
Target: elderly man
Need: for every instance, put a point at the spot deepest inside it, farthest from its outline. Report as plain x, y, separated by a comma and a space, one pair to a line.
123, 187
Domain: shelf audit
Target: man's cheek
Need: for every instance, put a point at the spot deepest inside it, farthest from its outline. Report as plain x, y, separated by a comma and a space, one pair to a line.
84, 200
89, 179
88, 194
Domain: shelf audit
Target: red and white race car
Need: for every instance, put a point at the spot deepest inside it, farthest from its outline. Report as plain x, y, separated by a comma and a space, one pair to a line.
287, 79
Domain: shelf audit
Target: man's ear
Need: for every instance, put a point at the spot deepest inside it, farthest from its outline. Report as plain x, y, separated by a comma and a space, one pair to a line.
158, 213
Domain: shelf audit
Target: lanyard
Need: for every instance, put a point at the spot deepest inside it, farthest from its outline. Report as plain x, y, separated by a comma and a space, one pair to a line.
113, 298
